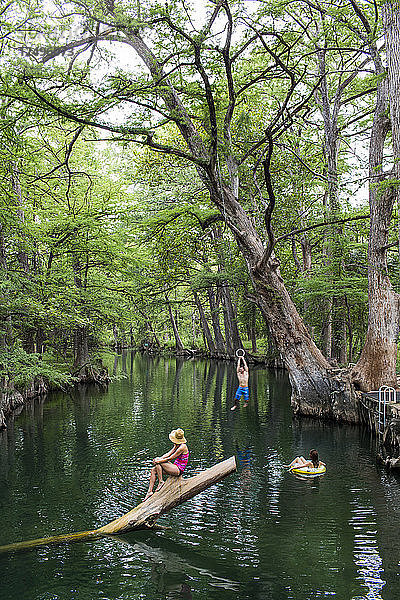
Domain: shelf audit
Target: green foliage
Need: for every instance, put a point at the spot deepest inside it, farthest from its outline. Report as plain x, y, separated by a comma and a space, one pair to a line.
99, 232
22, 368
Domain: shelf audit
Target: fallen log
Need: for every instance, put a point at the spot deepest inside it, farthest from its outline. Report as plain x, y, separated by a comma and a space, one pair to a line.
175, 491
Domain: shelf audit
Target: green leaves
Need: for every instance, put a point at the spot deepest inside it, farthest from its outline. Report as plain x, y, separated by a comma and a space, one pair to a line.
23, 368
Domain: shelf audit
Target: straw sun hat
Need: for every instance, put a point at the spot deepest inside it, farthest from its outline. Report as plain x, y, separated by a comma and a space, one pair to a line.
177, 436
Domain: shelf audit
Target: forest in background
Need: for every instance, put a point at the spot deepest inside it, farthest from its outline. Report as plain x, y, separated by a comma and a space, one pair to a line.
143, 207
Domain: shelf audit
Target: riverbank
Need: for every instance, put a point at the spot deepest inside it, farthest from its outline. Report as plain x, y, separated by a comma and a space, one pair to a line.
270, 361
14, 399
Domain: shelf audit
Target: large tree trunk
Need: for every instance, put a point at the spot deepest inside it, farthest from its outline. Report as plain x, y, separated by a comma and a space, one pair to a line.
391, 19
214, 308
81, 347
204, 323
178, 341
377, 363
231, 328
315, 389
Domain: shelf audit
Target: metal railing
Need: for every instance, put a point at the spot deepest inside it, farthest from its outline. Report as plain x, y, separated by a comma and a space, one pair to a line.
385, 394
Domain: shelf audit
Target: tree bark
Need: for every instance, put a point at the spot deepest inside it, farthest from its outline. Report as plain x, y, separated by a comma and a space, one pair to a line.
81, 347
204, 324
231, 328
391, 20
178, 341
219, 338
377, 363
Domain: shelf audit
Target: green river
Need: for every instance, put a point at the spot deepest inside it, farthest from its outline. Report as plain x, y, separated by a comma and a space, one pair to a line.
77, 461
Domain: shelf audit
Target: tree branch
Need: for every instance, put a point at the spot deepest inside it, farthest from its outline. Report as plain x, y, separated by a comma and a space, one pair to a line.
324, 224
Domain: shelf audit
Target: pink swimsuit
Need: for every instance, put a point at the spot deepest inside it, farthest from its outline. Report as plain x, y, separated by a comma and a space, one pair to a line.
181, 462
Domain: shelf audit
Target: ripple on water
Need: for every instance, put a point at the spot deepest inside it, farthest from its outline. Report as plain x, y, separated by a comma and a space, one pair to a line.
250, 537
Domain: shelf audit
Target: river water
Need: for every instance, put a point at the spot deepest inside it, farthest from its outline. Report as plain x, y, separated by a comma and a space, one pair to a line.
76, 462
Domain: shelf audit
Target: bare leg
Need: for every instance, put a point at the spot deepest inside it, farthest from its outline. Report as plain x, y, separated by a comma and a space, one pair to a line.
297, 462
234, 407
153, 473
168, 468
160, 477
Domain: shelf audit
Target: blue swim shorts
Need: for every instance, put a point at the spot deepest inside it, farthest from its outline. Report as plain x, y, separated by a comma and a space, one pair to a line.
242, 391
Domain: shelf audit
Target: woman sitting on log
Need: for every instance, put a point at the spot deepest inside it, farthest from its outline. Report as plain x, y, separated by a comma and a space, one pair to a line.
163, 463
300, 461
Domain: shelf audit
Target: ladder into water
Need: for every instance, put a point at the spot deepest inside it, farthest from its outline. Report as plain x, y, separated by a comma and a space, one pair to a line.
385, 394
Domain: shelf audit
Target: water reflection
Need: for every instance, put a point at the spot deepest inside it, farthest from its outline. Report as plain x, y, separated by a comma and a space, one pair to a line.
77, 462
275, 475
366, 552
174, 566
244, 458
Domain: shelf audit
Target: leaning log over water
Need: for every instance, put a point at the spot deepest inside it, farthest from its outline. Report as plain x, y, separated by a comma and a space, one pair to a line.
175, 491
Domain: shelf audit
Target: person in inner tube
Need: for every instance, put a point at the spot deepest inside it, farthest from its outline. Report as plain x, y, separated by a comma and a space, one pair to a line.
300, 462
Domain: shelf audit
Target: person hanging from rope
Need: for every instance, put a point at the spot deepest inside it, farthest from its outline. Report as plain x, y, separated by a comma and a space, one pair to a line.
242, 371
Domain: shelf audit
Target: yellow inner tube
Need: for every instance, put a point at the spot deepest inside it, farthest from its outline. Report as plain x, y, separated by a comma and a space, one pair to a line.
310, 471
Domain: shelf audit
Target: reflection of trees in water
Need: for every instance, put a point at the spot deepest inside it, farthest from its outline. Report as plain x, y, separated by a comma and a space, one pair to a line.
175, 392
219, 381
244, 459
123, 366
217, 430
231, 385
132, 354
209, 372
174, 567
